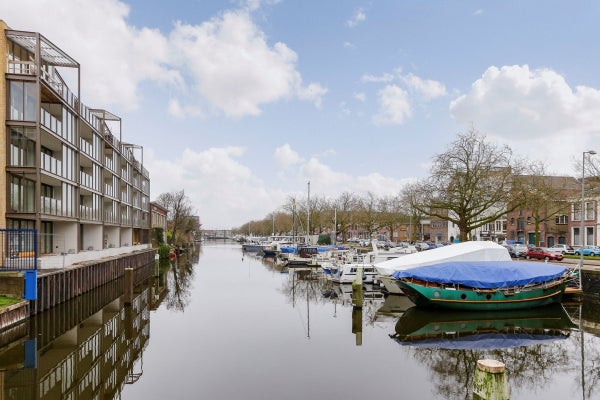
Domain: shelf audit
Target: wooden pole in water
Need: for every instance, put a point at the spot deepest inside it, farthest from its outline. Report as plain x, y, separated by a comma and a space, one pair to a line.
490, 382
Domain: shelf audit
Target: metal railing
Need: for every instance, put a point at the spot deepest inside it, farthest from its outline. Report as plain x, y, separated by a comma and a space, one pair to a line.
19, 250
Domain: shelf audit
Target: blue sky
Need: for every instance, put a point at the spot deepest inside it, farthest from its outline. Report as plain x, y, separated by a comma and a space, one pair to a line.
241, 103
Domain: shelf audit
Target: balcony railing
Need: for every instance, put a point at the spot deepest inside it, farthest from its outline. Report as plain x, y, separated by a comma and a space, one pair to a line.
86, 180
51, 206
111, 217
109, 190
21, 67
56, 83
87, 148
86, 212
51, 164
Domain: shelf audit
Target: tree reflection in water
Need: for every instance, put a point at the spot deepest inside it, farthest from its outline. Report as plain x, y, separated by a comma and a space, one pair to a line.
180, 275
528, 342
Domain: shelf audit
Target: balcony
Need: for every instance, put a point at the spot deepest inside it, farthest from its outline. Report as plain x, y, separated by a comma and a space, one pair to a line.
109, 190
21, 67
86, 180
51, 206
111, 217
86, 212
87, 148
51, 164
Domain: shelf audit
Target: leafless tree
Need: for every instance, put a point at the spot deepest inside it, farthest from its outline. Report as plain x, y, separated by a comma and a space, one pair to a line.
180, 210
470, 184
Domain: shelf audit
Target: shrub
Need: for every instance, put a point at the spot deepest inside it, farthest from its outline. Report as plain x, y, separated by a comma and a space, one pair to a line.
163, 252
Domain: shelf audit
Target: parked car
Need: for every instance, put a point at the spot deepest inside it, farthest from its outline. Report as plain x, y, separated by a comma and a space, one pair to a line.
543, 254
516, 250
564, 248
588, 250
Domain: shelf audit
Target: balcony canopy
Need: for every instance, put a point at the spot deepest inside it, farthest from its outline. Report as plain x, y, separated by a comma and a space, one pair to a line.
50, 53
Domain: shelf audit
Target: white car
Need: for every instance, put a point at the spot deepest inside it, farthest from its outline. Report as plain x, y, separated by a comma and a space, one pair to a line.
562, 248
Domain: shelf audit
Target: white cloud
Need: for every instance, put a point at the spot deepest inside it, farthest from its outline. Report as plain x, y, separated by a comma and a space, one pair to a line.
349, 45
177, 110
226, 61
394, 106
361, 96
478, 12
115, 57
285, 156
516, 102
426, 88
233, 67
374, 78
313, 92
358, 17
218, 185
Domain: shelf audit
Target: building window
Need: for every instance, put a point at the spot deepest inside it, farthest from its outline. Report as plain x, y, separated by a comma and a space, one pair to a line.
576, 212
589, 235
589, 211
576, 238
22, 194
23, 101
22, 147
561, 220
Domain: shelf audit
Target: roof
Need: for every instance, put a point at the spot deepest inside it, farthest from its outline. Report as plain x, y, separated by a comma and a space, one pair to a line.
50, 53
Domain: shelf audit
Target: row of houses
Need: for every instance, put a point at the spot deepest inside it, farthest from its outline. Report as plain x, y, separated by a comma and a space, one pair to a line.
559, 221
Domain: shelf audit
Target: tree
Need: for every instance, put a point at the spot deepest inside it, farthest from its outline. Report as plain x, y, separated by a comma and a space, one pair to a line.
546, 196
470, 184
345, 206
179, 214
368, 215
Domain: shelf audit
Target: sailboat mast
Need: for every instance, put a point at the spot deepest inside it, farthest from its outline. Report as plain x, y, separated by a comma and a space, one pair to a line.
308, 216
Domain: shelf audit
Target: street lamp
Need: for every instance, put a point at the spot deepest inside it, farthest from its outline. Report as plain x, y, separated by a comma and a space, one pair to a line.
582, 227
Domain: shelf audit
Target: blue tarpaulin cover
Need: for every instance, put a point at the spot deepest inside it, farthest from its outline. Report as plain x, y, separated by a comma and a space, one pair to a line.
485, 341
485, 274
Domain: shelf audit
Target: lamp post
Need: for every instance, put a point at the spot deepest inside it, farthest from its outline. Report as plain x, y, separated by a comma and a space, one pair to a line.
582, 227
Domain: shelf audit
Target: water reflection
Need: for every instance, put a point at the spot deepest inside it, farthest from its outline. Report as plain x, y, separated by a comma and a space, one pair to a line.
89, 347
449, 329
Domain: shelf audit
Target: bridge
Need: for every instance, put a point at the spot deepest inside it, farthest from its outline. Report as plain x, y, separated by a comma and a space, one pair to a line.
211, 234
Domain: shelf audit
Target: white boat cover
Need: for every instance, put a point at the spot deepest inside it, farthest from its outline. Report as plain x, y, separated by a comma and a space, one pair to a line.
465, 251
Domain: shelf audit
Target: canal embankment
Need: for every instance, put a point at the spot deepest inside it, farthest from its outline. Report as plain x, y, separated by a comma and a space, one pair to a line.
56, 286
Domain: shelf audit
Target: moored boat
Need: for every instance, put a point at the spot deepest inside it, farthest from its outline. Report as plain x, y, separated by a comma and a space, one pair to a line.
466, 251
452, 329
480, 285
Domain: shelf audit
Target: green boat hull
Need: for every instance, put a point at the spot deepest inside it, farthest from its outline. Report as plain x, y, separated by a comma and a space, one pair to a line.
469, 299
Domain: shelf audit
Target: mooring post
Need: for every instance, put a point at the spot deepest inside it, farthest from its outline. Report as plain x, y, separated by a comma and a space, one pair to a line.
357, 288
490, 382
128, 285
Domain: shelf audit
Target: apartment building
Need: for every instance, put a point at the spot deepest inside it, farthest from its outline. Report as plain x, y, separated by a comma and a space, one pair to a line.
67, 171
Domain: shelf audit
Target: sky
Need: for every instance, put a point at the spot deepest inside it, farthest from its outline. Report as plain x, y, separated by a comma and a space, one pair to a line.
242, 103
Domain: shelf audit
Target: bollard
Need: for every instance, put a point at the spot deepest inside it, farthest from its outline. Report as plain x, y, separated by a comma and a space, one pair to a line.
357, 288
128, 278
490, 382
357, 324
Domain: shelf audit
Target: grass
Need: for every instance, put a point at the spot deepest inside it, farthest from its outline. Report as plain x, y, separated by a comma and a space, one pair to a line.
7, 301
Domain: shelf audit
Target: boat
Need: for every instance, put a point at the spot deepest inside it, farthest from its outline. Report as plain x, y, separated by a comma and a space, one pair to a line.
484, 285
346, 273
450, 329
465, 251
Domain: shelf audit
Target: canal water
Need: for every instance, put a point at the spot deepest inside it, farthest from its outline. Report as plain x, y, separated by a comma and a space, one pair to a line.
221, 324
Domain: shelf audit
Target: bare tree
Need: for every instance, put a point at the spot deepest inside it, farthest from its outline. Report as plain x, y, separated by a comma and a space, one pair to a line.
345, 206
546, 196
180, 210
470, 184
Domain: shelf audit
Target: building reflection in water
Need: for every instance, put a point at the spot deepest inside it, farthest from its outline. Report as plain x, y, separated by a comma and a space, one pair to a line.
89, 347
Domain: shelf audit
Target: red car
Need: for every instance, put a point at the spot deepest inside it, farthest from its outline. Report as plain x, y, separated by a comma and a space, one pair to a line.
543, 254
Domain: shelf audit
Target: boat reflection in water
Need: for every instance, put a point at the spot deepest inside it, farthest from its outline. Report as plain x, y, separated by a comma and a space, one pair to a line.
478, 330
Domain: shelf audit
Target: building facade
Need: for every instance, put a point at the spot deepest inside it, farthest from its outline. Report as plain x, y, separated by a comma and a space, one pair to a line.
67, 171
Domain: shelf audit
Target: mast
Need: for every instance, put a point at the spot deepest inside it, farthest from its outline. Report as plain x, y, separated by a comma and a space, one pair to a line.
335, 226
308, 217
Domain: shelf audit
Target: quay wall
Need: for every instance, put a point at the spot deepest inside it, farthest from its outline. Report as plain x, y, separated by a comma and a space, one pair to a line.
57, 286
590, 282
